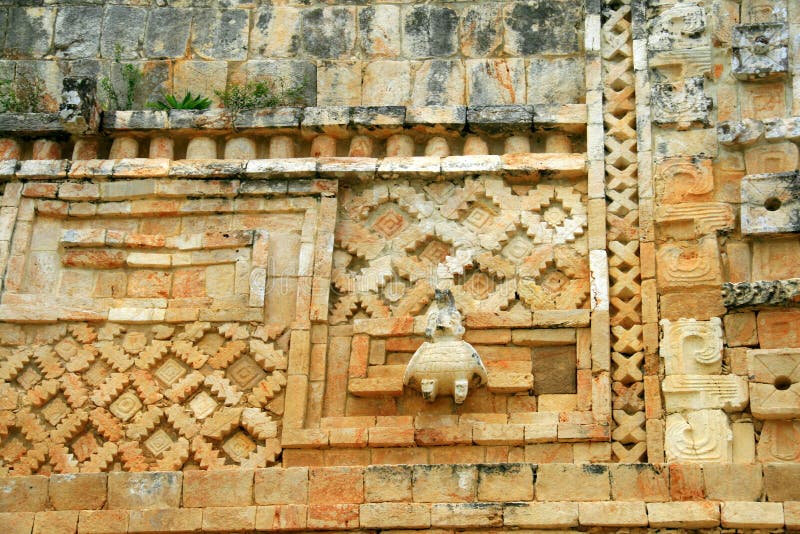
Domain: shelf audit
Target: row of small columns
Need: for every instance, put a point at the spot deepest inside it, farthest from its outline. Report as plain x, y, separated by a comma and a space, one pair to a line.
280, 146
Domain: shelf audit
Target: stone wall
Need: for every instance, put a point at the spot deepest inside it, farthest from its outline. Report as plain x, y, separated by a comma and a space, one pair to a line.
596, 201
370, 54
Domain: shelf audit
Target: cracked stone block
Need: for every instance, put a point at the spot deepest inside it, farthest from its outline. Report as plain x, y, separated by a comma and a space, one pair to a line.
760, 51
123, 31
276, 32
221, 34
167, 33
386, 83
77, 33
681, 26
379, 31
30, 30
430, 31
700, 436
771, 203
329, 32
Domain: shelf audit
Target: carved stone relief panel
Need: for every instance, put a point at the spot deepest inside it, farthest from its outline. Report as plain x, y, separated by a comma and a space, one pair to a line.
692, 347
774, 383
699, 436
770, 203
760, 51
170, 316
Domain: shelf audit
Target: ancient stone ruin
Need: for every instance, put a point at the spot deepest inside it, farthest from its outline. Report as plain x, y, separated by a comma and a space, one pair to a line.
399, 266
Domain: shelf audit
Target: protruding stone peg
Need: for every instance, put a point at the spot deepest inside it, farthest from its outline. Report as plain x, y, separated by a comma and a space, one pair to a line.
281, 146
323, 146
124, 147
202, 148
360, 147
400, 146
85, 149
46, 149
162, 147
240, 148
475, 146
437, 146
517, 144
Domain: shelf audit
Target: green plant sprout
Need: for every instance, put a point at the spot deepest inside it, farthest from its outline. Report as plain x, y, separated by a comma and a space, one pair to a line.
189, 101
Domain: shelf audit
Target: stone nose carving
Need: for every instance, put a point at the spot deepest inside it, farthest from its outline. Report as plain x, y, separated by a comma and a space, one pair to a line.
445, 365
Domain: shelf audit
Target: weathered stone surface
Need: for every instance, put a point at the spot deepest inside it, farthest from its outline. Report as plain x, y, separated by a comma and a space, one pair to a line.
699, 436
276, 32
220, 34
480, 30
379, 31
167, 33
541, 28
123, 32
495, 81
77, 31
329, 32
430, 31
760, 51
30, 32
769, 203
555, 81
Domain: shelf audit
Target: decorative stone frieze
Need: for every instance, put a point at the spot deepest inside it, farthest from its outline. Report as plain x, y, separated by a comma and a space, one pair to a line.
760, 51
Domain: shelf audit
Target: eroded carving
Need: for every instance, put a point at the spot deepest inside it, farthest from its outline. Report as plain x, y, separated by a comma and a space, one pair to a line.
764, 292
682, 104
689, 265
445, 365
701, 436
701, 392
779, 441
692, 347
760, 51
771, 203
774, 383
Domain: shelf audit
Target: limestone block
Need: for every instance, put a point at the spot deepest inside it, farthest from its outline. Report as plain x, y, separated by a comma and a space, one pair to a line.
200, 77
589, 482
781, 481
135, 491
30, 31
639, 482
744, 442
123, 31
681, 26
379, 31
480, 28
339, 83
778, 328
77, 31
694, 347
733, 482
761, 515
505, 482
541, 28
700, 436
699, 392
395, 515
439, 82
276, 32
495, 81
444, 483
23, 493
689, 265
281, 485
555, 80
779, 441
683, 514
217, 488
388, 483
84, 491
430, 31
612, 514
329, 32
773, 259
740, 329
760, 51
682, 103
762, 100
102, 521
220, 34
166, 520
386, 83
201, 148
541, 514
286, 73
774, 383
167, 33
768, 206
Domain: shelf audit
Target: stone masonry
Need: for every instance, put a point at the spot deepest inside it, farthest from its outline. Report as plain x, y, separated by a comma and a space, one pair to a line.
499, 266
